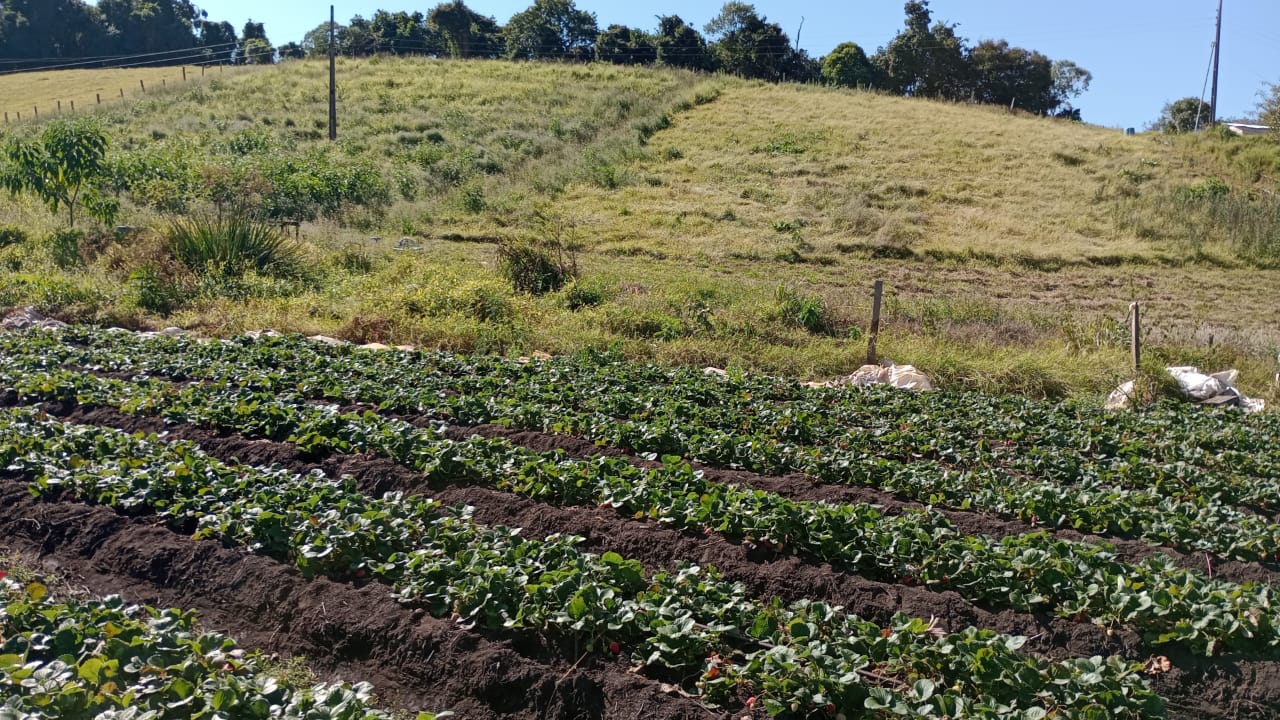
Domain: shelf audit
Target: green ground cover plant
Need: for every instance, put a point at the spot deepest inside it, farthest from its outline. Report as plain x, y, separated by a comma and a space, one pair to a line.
1077, 580
803, 659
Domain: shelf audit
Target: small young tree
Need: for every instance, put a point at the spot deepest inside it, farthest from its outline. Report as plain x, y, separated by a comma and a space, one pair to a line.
1269, 107
65, 167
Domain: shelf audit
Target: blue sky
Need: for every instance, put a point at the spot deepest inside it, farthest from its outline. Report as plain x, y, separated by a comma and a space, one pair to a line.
1143, 53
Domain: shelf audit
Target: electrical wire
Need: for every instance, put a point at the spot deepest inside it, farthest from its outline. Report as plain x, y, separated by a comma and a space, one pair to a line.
99, 64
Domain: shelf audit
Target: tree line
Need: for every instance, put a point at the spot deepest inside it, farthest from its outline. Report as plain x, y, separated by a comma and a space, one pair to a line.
927, 58
49, 33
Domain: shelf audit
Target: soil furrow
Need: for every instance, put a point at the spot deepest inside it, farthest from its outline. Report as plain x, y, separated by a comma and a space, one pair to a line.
1196, 687
803, 487
414, 661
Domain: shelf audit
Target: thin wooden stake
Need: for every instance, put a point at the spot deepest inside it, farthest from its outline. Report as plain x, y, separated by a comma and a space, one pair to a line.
59, 107
1135, 335
877, 292
121, 92
99, 96
6, 118
36, 110
184, 73
142, 84
73, 106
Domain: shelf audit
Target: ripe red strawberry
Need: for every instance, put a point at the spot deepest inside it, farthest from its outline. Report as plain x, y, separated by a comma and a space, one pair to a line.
714, 672
831, 708
360, 573
614, 647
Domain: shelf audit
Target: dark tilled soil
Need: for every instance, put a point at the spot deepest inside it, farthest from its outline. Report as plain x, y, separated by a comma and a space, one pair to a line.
357, 633
1197, 687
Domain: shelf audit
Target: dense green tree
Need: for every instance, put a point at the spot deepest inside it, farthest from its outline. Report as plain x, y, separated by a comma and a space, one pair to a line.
219, 42
924, 60
749, 45
1004, 75
43, 29
622, 45
255, 48
357, 38
1069, 81
550, 29
316, 42
156, 25
848, 66
403, 33
465, 33
1185, 115
679, 45
292, 51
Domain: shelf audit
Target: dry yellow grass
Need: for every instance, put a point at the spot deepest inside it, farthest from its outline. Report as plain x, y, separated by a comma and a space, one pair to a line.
22, 94
770, 168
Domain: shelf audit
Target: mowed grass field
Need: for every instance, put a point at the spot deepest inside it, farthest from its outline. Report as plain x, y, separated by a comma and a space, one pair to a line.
25, 93
704, 212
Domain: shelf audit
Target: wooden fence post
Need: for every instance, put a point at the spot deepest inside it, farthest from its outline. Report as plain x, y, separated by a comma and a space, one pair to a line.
877, 292
59, 107
99, 96
73, 107
142, 84
1135, 332
184, 73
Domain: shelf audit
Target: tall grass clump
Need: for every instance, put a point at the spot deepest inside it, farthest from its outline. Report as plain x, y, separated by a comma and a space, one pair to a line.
801, 310
537, 267
233, 245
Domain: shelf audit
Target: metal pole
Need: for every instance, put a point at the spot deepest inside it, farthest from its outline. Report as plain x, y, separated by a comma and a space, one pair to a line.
1217, 45
333, 83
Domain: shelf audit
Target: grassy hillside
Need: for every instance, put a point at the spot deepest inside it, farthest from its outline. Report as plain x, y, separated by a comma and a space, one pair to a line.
713, 221
25, 92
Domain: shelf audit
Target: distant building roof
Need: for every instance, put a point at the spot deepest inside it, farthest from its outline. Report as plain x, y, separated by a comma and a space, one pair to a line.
1243, 129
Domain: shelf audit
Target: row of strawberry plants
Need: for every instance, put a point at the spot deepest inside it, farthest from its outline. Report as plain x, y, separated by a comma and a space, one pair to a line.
73, 659
806, 659
1049, 442
1079, 580
1194, 522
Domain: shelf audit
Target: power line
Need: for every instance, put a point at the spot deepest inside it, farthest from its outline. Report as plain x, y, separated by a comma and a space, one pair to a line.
198, 51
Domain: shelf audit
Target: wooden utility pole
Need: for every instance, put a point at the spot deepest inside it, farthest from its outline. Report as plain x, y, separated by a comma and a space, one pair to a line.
1217, 47
333, 82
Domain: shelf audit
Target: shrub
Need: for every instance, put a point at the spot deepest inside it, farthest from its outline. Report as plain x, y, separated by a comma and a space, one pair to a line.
353, 259
10, 235
232, 245
536, 267
1211, 189
582, 295
803, 311
64, 248
155, 292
